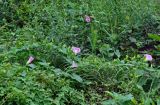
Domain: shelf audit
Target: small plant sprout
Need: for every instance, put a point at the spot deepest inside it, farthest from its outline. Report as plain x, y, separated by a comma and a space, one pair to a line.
76, 50
87, 19
30, 60
148, 57
74, 65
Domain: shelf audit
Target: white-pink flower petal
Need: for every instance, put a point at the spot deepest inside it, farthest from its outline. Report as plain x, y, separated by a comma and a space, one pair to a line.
30, 60
76, 50
87, 19
74, 65
148, 57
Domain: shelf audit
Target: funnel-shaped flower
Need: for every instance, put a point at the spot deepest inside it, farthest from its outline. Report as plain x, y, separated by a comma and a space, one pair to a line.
76, 50
30, 60
87, 19
148, 57
74, 65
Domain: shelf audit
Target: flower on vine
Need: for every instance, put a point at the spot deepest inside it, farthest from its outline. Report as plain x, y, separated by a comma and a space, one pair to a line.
74, 65
148, 57
76, 50
30, 60
87, 19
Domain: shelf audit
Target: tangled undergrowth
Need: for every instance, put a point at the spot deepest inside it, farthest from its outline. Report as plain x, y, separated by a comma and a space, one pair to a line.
79, 52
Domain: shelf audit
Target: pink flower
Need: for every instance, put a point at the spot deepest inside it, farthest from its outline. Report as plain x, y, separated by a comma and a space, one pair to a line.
87, 19
76, 50
148, 57
30, 60
74, 65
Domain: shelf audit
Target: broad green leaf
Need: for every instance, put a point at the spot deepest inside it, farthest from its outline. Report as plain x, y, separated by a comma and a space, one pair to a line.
158, 101
44, 64
154, 36
32, 66
76, 77
117, 53
109, 102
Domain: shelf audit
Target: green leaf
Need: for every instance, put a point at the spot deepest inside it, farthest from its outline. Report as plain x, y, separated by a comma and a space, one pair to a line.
109, 102
44, 64
32, 66
117, 53
158, 101
132, 39
121, 98
154, 36
76, 77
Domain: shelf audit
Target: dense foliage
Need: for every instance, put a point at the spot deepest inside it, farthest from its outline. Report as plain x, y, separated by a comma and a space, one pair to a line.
79, 52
